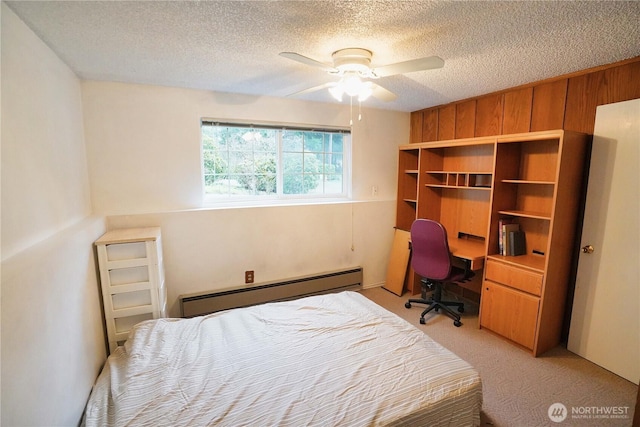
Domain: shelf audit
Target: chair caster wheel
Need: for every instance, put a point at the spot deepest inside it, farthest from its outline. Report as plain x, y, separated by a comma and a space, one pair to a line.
457, 323
437, 309
460, 309
407, 305
422, 321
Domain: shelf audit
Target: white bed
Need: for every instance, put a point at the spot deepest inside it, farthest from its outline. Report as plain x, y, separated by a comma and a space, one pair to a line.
324, 360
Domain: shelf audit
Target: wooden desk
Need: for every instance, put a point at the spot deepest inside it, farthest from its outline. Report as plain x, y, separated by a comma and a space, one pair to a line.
472, 251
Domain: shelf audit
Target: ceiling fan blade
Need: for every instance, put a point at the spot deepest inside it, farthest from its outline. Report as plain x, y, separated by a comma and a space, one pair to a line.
382, 93
420, 64
307, 61
313, 89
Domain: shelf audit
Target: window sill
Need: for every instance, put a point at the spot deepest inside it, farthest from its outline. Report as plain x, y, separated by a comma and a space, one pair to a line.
230, 204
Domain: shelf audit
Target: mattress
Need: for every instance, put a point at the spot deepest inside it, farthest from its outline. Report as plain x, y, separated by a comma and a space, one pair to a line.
326, 360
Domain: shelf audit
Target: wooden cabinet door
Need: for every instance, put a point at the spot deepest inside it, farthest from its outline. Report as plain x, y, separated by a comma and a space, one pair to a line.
510, 313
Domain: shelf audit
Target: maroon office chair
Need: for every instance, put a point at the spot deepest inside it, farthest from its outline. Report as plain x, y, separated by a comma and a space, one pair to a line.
431, 259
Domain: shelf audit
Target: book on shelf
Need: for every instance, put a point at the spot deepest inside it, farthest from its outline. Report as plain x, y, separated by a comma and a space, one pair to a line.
506, 230
501, 223
517, 245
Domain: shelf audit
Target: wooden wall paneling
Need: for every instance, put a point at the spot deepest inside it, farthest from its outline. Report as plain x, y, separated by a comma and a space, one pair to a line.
516, 117
567, 102
587, 91
549, 100
489, 114
582, 100
622, 83
465, 119
447, 122
430, 125
415, 132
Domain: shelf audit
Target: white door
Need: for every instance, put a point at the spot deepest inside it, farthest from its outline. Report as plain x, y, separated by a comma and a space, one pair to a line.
605, 321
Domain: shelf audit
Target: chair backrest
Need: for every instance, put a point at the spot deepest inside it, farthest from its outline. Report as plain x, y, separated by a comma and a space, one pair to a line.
430, 256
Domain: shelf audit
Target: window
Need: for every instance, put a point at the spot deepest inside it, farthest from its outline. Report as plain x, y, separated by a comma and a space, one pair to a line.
257, 161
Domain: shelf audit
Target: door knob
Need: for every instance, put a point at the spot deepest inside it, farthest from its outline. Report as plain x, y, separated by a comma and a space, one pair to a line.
587, 249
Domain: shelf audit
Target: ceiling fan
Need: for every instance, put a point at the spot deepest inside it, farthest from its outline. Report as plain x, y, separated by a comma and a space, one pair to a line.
353, 66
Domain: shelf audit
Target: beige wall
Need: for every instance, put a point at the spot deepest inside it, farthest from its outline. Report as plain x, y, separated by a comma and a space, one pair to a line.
143, 142
206, 250
46, 186
143, 145
78, 157
52, 337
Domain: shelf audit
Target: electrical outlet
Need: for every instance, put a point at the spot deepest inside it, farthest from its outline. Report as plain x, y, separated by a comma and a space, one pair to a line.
374, 191
248, 276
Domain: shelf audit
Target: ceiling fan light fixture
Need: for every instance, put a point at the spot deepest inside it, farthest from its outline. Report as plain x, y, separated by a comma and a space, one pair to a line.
361, 69
352, 60
351, 84
352, 65
337, 92
365, 91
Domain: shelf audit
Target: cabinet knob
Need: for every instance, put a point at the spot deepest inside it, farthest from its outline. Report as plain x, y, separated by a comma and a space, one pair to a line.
588, 249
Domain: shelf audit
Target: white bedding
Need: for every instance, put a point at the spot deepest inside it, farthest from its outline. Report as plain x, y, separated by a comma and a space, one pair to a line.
325, 360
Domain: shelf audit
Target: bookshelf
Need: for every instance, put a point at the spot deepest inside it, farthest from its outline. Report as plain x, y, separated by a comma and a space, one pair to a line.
470, 185
407, 187
538, 185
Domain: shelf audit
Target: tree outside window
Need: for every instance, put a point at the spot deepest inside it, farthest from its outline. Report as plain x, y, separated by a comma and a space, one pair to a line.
256, 162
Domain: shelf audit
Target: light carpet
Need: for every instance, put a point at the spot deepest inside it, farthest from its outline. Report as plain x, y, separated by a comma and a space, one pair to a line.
518, 389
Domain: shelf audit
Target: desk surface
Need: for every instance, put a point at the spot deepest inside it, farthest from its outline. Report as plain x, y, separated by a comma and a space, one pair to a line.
470, 250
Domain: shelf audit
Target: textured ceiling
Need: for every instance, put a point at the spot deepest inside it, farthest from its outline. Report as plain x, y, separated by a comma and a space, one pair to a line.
233, 46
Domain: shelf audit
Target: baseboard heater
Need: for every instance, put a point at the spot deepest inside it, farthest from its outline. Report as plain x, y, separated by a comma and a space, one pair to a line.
205, 303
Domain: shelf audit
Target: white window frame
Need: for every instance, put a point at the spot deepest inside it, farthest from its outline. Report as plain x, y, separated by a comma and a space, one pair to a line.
213, 200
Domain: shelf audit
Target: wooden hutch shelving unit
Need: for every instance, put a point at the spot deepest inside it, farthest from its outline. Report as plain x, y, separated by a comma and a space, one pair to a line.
469, 185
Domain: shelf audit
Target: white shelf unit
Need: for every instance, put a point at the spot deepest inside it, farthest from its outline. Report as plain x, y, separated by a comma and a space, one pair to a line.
132, 279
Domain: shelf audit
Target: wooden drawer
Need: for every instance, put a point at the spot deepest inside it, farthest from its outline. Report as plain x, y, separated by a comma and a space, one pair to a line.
518, 278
